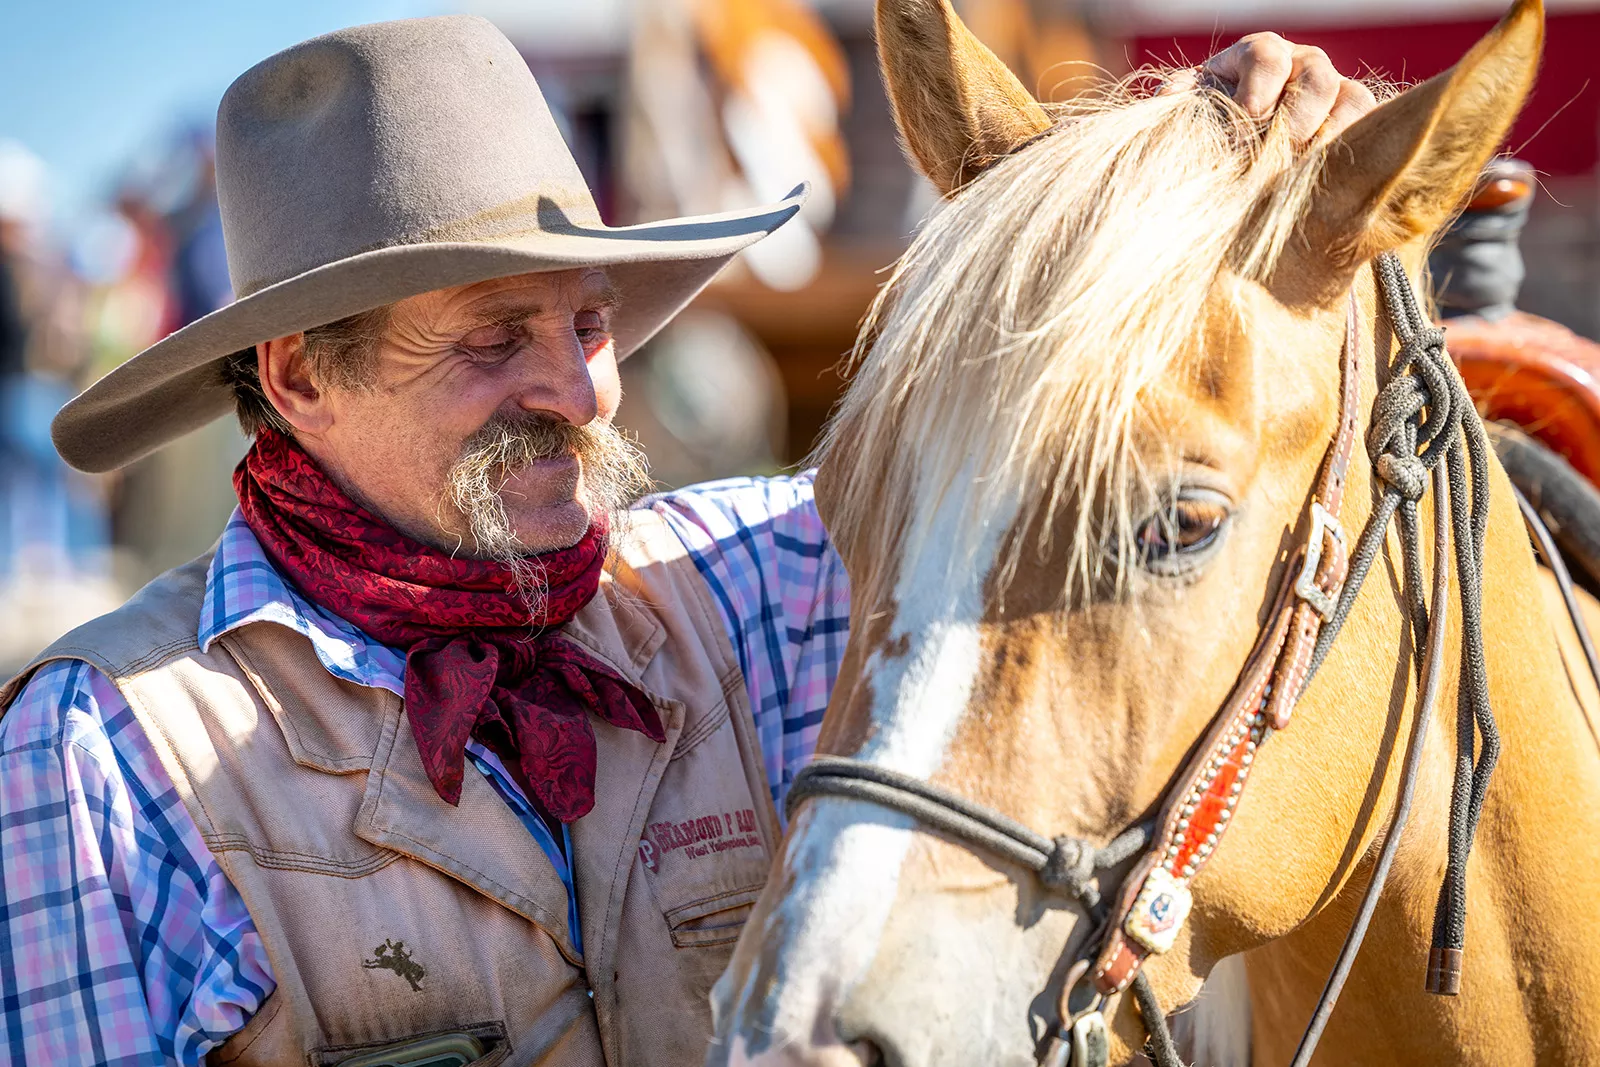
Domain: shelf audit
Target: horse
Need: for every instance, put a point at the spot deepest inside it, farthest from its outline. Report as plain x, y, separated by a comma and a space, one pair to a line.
1107, 426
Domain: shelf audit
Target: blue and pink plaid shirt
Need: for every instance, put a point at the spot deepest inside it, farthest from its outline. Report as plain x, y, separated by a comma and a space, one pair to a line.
121, 940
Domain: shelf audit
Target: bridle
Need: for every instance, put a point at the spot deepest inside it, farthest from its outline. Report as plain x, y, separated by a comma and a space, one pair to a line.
1422, 423
1423, 429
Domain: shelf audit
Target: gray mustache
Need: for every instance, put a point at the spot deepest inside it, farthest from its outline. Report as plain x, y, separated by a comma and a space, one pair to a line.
510, 443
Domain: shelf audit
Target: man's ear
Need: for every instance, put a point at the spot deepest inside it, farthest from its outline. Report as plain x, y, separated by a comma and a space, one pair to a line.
1407, 166
957, 106
287, 384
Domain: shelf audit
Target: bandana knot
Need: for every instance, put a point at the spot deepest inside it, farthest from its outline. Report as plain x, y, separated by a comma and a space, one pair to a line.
479, 663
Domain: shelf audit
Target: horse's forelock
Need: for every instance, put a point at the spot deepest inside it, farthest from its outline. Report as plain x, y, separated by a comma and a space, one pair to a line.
1020, 332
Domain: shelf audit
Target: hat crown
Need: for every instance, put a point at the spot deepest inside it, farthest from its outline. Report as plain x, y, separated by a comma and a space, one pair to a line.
421, 130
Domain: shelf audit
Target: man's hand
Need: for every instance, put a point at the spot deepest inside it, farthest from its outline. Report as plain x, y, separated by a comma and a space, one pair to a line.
1263, 69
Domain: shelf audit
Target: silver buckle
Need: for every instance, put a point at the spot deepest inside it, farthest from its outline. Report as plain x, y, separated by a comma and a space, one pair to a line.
1323, 522
1086, 1043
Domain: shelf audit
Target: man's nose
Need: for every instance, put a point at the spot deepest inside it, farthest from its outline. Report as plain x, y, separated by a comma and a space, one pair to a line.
556, 381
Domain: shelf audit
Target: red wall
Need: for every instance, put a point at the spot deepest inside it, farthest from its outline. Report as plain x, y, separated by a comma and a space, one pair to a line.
1569, 83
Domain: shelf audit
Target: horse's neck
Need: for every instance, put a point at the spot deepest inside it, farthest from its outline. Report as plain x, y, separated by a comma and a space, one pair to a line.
1531, 986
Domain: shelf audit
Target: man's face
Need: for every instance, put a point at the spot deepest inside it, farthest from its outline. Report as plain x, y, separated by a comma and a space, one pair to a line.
503, 389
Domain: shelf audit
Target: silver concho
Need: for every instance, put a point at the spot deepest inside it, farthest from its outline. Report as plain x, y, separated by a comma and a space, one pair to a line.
1159, 912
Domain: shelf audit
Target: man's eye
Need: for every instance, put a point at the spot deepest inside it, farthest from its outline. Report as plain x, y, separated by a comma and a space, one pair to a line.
590, 326
494, 342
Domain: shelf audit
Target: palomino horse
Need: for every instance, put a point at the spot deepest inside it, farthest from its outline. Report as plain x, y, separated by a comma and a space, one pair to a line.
1089, 437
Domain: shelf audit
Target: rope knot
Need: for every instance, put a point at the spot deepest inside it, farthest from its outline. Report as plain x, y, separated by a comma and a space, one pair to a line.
1408, 475
1428, 340
1069, 867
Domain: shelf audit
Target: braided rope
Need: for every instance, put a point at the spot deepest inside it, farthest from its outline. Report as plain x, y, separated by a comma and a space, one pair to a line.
1423, 417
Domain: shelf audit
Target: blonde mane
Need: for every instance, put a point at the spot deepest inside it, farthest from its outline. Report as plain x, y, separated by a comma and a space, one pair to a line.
1009, 353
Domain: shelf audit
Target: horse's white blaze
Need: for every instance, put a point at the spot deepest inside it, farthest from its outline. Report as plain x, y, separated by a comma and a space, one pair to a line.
844, 857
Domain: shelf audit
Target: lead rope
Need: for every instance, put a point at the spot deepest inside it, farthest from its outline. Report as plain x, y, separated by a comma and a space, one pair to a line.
1409, 445
1425, 618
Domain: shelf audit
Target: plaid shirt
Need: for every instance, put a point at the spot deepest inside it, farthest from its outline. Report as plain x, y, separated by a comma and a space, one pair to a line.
122, 941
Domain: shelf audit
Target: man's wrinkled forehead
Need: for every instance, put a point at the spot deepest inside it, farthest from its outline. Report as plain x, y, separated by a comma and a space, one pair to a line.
521, 296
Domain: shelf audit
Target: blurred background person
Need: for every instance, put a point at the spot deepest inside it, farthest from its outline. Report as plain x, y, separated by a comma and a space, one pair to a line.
166, 507
54, 564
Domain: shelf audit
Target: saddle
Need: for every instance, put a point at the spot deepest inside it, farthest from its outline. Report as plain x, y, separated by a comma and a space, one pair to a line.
1535, 382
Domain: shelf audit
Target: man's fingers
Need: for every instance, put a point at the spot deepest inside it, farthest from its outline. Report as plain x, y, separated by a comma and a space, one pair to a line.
1309, 97
1180, 81
1267, 72
1354, 101
1258, 67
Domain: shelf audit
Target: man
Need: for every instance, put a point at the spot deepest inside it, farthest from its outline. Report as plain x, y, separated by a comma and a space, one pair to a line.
401, 772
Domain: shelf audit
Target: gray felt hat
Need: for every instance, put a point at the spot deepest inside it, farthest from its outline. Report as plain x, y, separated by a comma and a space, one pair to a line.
372, 164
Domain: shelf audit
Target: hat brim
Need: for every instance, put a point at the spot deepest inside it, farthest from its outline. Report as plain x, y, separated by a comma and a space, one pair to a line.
176, 385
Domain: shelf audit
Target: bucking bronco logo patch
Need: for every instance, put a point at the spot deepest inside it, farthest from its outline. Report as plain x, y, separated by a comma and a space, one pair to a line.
393, 956
699, 837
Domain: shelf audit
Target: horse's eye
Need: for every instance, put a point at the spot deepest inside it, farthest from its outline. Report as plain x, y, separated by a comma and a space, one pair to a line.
1188, 526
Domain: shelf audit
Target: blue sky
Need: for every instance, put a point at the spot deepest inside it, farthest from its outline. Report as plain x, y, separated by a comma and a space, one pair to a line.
85, 83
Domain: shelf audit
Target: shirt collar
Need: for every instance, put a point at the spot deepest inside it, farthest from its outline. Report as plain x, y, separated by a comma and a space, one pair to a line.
243, 586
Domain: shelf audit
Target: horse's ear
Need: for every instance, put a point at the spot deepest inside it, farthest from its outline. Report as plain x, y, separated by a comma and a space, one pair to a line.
958, 108
1408, 165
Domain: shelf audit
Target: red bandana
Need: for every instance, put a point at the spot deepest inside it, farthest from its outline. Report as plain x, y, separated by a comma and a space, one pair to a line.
474, 664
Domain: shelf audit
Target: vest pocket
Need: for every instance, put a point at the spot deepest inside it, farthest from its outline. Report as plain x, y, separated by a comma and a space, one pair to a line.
703, 851
489, 1045
717, 920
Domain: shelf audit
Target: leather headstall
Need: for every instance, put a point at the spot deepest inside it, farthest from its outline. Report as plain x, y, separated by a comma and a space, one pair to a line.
1155, 899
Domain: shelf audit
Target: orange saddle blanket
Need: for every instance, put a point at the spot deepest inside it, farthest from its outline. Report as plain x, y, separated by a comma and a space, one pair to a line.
1538, 375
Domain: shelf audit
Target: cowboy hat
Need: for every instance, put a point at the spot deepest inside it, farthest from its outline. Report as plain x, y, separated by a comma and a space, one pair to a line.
376, 163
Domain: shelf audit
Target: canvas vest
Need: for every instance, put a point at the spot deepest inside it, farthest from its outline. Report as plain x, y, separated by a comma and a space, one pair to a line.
388, 914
